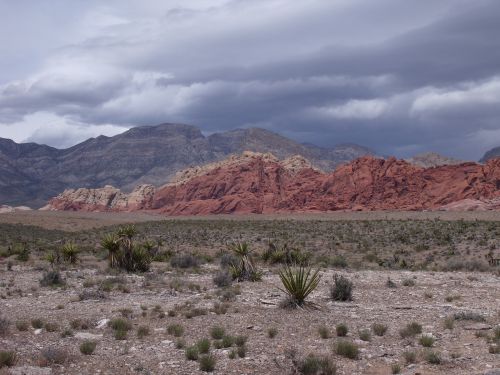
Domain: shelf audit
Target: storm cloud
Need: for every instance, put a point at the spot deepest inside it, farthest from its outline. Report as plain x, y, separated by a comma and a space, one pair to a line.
401, 77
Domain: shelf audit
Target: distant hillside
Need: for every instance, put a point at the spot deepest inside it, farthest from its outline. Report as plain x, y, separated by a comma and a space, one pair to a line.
30, 173
491, 154
432, 159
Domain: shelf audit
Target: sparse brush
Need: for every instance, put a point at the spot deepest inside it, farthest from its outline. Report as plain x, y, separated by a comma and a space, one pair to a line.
347, 349
426, 341
54, 356
469, 315
207, 363
223, 278
52, 278
192, 353
240, 340
341, 330
142, 331
88, 347
7, 358
120, 334
365, 335
341, 289
408, 282
4, 326
272, 332
379, 329
324, 332
37, 323
410, 356
51, 327
411, 329
217, 332
298, 283
395, 368
175, 329
184, 261
244, 269
390, 284
22, 325
316, 365
242, 351
120, 324
433, 357
203, 346
227, 341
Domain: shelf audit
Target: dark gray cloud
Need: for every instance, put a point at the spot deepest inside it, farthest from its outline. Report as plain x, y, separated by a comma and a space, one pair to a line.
399, 77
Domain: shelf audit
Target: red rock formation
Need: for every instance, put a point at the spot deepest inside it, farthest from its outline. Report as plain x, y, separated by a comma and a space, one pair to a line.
259, 183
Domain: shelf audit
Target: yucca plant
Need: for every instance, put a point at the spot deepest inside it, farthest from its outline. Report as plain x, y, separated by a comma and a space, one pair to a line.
70, 253
244, 268
111, 243
298, 283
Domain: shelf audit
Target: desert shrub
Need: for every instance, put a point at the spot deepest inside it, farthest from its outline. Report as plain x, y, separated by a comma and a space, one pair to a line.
175, 329
195, 311
411, 329
469, 315
341, 330
242, 351
272, 332
365, 335
87, 347
390, 284
52, 278
180, 344
54, 356
347, 349
220, 308
432, 357
4, 326
240, 340
207, 363
379, 329
244, 269
324, 332
461, 265
341, 289
120, 334
426, 341
410, 356
192, 353
217, 332
408, 282
494, 349
223, 278
67, 333
51, 327
203, 346
184, 261
95, 295
7, 358
286, 254
316, 365
142, 331
395, 368
22, 325
227, 341
227, 259
298, 283
37, 323
449, 322
120, 324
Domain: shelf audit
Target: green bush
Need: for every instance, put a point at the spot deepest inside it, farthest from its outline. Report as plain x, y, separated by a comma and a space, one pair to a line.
341, 330
192, 353
347, 349
217, 332
7, 358
341, 289
203, 346
411, 329
87, 347
207, 363
379, 329
175, 329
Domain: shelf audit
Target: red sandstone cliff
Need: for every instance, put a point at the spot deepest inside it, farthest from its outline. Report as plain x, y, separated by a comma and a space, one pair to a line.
260, 183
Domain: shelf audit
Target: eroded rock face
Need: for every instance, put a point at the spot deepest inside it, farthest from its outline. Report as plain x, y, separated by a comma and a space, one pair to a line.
260, 183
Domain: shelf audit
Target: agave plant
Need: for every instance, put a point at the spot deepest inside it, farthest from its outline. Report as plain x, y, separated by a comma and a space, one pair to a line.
298, 283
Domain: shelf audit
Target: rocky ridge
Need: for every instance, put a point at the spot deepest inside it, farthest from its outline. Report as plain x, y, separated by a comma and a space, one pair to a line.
261, 183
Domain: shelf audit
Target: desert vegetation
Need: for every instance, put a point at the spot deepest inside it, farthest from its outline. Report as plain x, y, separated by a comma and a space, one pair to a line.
252, 296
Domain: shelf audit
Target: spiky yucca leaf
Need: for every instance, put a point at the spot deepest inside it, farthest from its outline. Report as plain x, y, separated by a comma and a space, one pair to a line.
298, 283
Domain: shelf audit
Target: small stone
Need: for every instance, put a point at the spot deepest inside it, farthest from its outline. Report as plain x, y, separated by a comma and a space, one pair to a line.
102, 323
38, 331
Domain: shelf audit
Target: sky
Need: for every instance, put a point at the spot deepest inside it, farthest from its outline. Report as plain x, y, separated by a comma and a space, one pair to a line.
400, 77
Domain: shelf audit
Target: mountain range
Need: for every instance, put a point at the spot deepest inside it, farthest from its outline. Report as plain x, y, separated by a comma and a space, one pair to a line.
30, 173
261, 183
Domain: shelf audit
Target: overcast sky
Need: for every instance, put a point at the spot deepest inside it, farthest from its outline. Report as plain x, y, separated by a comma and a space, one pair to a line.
401, 77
